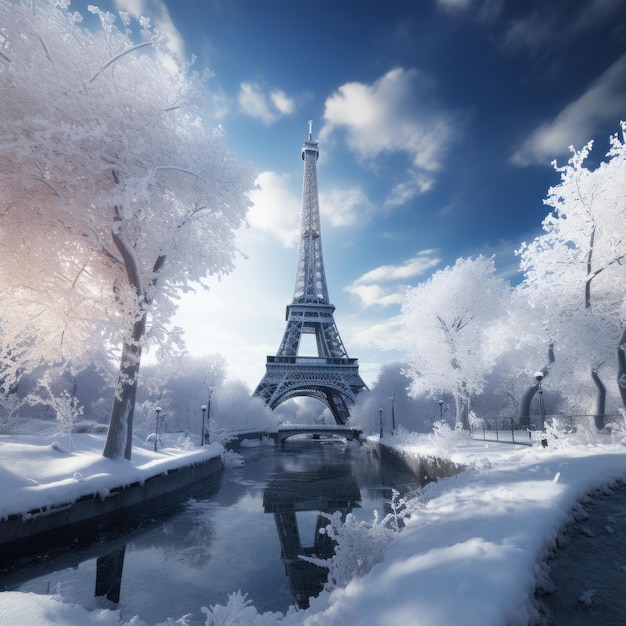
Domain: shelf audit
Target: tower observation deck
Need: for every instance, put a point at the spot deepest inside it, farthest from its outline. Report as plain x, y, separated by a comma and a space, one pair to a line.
330, 375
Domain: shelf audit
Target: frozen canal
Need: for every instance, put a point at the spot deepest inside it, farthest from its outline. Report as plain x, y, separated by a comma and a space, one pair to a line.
240, 531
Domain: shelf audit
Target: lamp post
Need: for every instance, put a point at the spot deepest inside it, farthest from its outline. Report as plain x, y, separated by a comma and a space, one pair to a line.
393, 414
440, 403
542, 411
203, 407
158, 410
380, 415
207, 435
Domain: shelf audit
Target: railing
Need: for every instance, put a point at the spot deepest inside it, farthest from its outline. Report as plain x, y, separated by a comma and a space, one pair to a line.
506, 429
312, 360
29, 426
313, 427
502, 430
287, 430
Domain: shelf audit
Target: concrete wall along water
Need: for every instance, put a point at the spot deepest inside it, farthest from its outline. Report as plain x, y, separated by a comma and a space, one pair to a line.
425, 468
40, 526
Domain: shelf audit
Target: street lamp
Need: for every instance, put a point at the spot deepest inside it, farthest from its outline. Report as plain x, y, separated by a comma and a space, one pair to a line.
207, 435
440, 403
393, 414
539, 378
158, 410
380, 414
203, 407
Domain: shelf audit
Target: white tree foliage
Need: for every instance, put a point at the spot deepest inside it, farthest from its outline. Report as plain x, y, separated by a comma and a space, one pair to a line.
115, 195
447, 320
574, 271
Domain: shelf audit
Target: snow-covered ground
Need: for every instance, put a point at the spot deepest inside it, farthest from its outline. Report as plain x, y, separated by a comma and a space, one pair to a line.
37, 473
472, 552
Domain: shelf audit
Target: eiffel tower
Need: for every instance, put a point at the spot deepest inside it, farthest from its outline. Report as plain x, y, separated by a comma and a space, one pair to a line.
330, 376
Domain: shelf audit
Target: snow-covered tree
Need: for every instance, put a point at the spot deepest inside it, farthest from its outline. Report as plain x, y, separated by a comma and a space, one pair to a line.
10, 404
115, 194
447, 320
184, 384
521, 341
234, 409
390, 393
574, 271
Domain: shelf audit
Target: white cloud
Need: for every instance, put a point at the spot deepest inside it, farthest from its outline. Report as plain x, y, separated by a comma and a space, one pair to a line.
390, 116
403, 192
370, 287
221, 104
276, 209
605, 99
551, 23
374, 295
283, 103
253, 101
387, 334
416, 266
455, 5
345, 207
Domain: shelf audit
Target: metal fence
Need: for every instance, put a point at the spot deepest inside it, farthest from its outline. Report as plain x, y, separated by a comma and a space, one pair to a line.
28, 426
507, 429
34, 426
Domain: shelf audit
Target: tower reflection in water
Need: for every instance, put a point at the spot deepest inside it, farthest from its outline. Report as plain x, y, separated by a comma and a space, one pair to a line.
320, 489
109, 568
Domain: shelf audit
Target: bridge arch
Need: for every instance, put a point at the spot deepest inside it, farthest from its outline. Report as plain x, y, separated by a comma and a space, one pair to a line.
284, 432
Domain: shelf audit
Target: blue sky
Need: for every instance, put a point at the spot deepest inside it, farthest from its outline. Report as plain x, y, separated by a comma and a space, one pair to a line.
437, 122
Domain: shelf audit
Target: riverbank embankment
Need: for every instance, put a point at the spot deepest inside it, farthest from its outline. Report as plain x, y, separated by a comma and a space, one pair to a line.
50, 485
426, 467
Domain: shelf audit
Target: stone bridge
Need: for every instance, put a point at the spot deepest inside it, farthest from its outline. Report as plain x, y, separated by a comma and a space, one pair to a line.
284, 432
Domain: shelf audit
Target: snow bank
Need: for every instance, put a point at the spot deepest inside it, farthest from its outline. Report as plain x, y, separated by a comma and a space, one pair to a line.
471, 553
35, 474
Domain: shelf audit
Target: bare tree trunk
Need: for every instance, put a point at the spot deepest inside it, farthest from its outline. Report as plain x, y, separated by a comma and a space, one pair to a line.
599, 408
621, 367
461, 401
531, 390
120, 434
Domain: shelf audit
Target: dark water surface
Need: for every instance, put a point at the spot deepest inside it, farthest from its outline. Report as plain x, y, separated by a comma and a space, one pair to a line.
589, 572
241, 531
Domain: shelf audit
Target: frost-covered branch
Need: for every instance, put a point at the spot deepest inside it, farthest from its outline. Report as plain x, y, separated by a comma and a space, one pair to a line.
119, 56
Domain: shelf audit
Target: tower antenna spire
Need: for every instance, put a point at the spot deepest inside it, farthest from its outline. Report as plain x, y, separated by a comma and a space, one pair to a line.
310, 129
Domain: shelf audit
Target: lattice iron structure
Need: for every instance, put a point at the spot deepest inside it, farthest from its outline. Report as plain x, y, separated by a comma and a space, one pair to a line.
330, 376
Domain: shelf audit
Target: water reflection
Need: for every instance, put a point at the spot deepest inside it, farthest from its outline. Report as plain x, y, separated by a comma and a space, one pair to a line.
109, 569
245, 531
306, 488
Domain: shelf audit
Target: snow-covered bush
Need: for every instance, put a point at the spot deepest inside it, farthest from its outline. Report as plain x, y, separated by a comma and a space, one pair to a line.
406, 437
447, 438
238, 612
618, 428
65, 405
232, 459
257, 443
561, 432
359, 545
